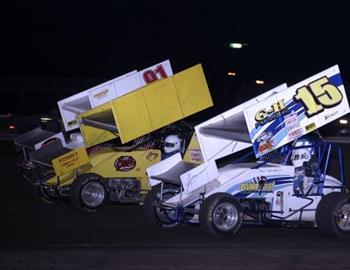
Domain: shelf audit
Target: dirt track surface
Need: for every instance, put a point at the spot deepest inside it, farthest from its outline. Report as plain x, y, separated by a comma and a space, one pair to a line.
38, 236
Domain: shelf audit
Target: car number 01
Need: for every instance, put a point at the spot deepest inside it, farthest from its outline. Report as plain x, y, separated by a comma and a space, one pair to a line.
318, 95
151, 75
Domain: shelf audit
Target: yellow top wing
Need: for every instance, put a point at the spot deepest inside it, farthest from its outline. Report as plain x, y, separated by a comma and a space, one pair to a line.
147, 109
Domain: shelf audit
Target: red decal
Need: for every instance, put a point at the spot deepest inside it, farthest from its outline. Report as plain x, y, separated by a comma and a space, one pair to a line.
125, 163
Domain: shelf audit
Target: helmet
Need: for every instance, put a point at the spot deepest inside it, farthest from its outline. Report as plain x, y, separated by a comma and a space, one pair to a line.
76, 137
172, 143
299, 156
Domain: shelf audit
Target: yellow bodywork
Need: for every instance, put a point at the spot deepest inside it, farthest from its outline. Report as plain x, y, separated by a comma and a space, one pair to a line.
154, 106
107, 162
70, 161
131, 116
193, 152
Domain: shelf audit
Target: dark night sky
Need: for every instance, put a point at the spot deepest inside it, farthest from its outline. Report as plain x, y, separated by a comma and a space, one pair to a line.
54, 41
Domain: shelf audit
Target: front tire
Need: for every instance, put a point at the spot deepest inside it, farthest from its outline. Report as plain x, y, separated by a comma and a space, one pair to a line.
156, 215
333, 214
220, 215
88, 193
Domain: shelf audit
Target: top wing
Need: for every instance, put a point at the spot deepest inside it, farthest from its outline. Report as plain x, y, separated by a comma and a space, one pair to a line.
147, 109
72, 106
276, 117
296, 111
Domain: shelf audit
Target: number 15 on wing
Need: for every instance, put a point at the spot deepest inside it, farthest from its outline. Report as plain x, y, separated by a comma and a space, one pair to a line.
318, 95
322, 95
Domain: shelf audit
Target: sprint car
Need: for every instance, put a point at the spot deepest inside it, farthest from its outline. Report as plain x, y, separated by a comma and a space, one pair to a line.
288, 181
120, 135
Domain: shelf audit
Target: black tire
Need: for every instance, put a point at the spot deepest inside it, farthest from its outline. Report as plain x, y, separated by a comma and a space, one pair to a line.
215, 212
156, 216
88, 193
331, 213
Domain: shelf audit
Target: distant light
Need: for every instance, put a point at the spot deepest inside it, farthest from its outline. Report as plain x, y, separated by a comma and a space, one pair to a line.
5, 115
45, 119
259, 82
343, 121
236, 45
12, 126
231, 73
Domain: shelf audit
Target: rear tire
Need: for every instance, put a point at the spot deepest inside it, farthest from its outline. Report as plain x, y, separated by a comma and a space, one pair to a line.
157, 216
220, 215
88, 193
333, 214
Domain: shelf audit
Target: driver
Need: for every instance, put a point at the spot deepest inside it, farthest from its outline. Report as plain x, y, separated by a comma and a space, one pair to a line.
171, 145
302, 183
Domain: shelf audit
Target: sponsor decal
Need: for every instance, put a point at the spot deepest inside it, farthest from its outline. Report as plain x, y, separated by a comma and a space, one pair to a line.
310, 127
292, 126
264, 115
264, 146
49, 141
68, 160
327, 116
259, 184
295, 134
264, 136
291, 122
152, 156
125, 163
196, 154
101, 94
72, 123
95, 149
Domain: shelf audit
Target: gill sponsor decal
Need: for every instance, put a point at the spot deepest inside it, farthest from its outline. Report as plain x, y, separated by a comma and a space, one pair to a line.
318, 95
101, 94
265, 115
125, 163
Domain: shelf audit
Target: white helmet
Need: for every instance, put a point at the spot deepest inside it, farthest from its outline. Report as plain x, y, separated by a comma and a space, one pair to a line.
299, 156
172, 143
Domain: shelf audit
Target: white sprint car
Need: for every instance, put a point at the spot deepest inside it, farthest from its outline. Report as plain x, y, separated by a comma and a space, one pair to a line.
288, 180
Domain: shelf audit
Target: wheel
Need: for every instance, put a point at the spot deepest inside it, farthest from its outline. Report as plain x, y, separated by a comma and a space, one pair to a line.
88, 193
333, 214
220, 215
157, 216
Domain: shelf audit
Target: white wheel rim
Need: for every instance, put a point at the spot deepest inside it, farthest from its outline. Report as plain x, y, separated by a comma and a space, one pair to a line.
93, 194
343, 217
225, 216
